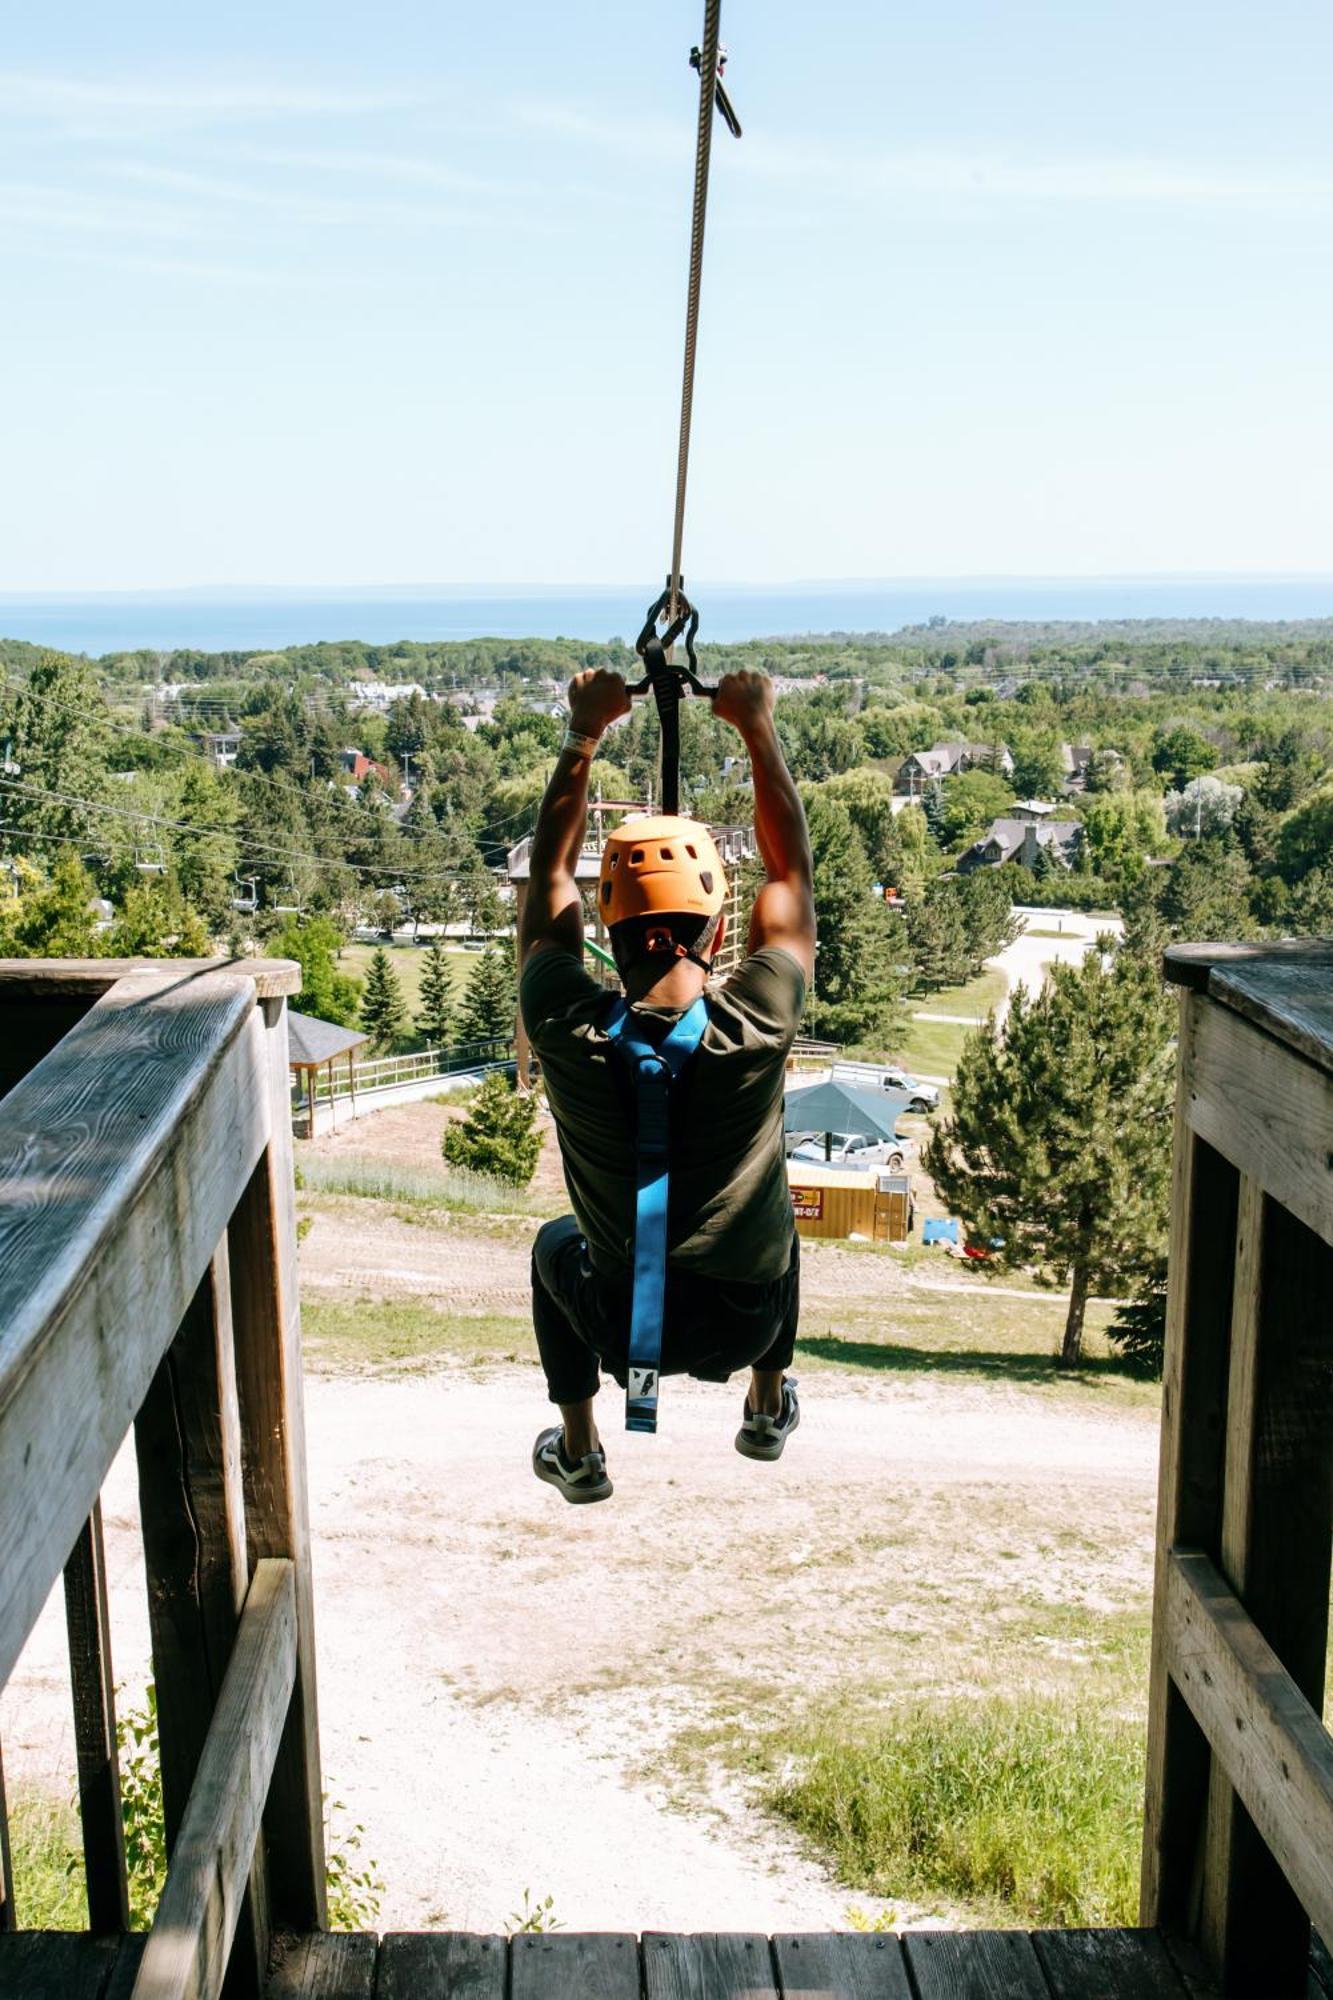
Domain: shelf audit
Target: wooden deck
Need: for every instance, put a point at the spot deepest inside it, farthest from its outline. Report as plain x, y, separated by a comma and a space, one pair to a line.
916, 1965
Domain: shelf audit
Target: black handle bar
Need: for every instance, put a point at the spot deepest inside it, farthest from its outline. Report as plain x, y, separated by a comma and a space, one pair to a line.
668, 682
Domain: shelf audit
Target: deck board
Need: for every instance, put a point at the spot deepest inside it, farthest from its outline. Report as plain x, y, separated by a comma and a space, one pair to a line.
445, 1965
838, 1965
1114, 1965
726, 1965
975, 1965
572, 1965
332, 1965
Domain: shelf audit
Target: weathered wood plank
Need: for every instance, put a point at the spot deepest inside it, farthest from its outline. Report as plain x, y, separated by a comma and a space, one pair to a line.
1270, 1741
54, 1965
1204, 1197
329, 1965
978, 1965
1198, 1977
1277, 1539
574, 1965
1284, 987
838, 1965
266, 1319
711, 1965
1265, 1109
129, 1954
8, 1919
188, 1446
449, 1965
187, 1950
43, 978
120, 1160
92, 1683
1108, 1965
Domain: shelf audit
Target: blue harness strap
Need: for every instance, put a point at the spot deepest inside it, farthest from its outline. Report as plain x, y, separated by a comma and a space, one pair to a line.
653, 1068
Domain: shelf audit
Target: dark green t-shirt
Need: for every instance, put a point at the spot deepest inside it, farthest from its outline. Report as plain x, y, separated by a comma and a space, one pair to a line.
730, 1210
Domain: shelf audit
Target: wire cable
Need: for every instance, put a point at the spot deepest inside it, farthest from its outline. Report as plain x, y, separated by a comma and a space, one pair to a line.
702, 156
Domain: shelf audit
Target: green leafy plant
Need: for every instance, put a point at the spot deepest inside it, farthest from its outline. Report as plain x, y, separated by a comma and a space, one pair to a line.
355, 1886
857, 1919
532, 1917
141, 1808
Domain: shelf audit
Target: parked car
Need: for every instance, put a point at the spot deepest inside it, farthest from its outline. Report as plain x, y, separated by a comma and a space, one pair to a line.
853, 1149
888, 1076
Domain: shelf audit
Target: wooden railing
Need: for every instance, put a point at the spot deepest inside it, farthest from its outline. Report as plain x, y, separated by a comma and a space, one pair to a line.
147, 1280
418, 1066
1238, 1842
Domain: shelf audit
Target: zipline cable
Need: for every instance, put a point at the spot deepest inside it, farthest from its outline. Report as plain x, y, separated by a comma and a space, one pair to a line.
708, 91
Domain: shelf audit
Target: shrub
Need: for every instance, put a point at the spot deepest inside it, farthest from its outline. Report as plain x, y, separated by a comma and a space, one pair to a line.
996, 1801
499, 1136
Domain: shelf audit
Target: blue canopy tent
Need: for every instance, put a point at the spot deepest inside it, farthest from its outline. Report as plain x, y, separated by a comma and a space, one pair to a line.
840, 1107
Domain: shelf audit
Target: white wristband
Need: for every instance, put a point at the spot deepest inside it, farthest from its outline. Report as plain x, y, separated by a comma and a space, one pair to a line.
582, 746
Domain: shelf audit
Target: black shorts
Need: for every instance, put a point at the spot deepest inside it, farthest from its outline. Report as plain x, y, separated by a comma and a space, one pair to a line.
711, 1326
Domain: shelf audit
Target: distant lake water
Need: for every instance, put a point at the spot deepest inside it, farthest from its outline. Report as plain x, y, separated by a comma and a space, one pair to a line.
241, 621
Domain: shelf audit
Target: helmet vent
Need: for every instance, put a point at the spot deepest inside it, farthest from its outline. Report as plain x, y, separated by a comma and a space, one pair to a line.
615, 857
606, 892
636, 857
665, 853
706, 880
691, 850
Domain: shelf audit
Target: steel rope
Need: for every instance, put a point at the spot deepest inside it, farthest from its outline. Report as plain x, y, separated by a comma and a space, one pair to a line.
707, 93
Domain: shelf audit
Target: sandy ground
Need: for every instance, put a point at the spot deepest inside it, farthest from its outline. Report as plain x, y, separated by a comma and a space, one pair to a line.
1024, 962
505, 1680
502, 1676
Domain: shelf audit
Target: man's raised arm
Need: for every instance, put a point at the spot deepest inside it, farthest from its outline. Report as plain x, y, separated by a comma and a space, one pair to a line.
784, 910
553, 915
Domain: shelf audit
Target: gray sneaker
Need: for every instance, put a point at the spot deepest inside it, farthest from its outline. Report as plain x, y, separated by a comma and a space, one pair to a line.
764, 1437
581, 1482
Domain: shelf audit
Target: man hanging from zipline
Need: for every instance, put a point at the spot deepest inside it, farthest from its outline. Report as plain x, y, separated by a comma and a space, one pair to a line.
725, 1290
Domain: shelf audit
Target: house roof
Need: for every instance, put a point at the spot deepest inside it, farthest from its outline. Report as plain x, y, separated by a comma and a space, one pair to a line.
311, 1042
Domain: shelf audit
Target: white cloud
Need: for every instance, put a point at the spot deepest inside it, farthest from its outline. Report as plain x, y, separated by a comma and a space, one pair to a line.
953, 174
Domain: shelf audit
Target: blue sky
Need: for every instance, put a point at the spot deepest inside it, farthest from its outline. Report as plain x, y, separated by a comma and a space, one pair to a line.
325, 294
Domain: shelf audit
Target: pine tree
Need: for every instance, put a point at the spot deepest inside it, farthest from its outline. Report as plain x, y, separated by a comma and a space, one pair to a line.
858, 989
383, 1012
435, 1015
499, 1136
1059, 1142
491, 1002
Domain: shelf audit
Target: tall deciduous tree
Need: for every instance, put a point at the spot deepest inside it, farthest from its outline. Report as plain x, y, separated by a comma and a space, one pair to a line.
52, 916
383, 1009
1059, 1141
326, 993
54, 729
435, 1015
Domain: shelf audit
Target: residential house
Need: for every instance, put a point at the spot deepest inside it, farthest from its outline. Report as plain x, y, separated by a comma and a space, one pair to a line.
356, 766
1022, 840
1074, 761
220, 746
950, 760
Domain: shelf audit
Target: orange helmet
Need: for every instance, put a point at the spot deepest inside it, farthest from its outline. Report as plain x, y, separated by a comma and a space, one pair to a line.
660, 865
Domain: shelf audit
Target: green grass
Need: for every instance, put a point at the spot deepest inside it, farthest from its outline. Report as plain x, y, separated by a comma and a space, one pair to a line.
48, 1861
1028, 1809
453, 1188
404, 1335
931, 1048
975, 999
969, 1333
407, 961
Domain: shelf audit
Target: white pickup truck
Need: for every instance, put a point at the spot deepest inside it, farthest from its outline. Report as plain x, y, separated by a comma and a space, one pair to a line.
888, 1076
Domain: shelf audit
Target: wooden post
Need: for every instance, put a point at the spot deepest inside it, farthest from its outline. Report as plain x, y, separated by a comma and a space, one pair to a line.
95, 1731
266, 1316
522, 1051
188, 1441
8, 1920
1204, 1198
1275, 1553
